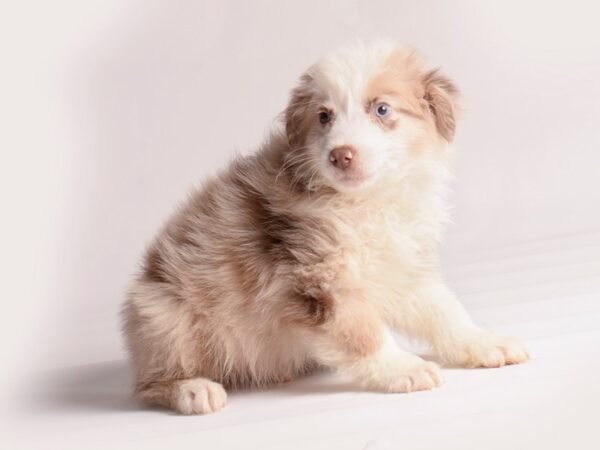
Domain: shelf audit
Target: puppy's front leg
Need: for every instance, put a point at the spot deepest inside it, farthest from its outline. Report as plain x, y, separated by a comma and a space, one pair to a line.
356, 341
431, 311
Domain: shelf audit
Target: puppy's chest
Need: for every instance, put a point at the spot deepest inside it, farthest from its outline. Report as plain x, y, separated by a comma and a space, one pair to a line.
388, 240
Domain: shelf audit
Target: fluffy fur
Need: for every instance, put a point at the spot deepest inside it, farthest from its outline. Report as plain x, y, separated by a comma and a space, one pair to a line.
286, 261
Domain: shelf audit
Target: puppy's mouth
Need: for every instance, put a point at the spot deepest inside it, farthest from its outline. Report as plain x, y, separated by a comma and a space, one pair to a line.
354, 180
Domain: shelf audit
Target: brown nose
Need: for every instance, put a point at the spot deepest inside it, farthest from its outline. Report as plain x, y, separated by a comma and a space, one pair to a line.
341, 157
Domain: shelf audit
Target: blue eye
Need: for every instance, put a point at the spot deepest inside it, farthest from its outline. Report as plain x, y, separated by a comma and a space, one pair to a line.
382, 109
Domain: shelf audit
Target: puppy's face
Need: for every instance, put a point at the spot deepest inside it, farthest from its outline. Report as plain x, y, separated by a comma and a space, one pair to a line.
365, 115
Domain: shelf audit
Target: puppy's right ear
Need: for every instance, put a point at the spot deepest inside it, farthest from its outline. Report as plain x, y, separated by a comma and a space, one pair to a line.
297, 118
442, 98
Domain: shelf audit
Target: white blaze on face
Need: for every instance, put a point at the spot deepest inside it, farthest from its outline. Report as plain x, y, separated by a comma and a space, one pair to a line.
353, 127
343, 89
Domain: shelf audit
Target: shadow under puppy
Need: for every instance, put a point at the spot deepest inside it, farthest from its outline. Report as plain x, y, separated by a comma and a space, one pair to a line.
307, 253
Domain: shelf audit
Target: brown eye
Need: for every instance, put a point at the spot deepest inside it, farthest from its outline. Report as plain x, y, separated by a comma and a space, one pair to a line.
324, 117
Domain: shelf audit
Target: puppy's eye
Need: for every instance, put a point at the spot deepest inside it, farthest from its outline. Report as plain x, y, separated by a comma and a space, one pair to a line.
382, 109
324, 117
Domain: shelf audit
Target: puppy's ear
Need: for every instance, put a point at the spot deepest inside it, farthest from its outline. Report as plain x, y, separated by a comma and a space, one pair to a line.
442, 99
297, 120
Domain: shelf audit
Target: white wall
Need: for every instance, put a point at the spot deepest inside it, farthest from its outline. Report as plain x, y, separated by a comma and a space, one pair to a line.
116, 108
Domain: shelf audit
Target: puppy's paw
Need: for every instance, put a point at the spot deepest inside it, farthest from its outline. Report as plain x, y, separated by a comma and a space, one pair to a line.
199, 396
486, 349
421, 377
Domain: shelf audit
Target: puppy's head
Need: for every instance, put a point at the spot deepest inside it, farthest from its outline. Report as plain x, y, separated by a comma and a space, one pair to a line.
366, 114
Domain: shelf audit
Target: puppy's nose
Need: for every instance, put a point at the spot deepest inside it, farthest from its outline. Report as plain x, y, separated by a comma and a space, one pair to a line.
341, 157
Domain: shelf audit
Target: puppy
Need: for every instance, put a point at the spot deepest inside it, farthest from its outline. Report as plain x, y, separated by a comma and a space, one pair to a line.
309, 252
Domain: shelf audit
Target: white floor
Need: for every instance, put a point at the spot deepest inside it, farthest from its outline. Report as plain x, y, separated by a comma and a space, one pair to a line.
547, 293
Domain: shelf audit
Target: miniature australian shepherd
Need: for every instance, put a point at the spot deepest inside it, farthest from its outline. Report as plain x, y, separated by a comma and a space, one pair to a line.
312, 251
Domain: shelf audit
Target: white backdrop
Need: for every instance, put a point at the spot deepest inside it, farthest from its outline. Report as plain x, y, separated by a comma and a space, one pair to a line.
112, 109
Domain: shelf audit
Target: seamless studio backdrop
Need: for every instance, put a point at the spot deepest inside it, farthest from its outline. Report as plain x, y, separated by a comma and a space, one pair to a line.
113, 110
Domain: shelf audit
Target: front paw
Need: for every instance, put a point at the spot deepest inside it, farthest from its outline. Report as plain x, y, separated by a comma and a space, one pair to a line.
422, 377
485, 349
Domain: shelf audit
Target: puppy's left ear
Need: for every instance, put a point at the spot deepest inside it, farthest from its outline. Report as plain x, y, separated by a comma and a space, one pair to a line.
442, 98
297, 121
